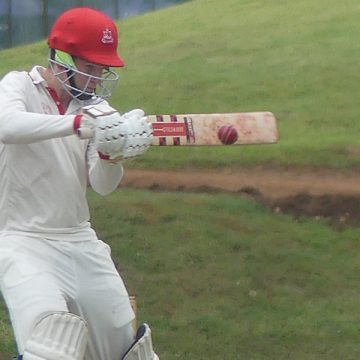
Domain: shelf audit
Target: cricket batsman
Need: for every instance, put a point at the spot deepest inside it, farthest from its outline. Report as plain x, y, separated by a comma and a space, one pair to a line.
65, 298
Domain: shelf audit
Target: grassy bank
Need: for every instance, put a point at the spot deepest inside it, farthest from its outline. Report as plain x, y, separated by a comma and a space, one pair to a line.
296, 59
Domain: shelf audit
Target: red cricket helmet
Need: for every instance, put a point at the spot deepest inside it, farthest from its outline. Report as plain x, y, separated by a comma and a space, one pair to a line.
86, 33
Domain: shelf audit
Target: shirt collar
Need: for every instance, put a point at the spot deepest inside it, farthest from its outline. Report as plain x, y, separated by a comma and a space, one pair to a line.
36, 76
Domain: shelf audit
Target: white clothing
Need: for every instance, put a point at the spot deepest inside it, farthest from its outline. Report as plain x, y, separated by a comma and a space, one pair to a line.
50, 257
41, 276
43, 163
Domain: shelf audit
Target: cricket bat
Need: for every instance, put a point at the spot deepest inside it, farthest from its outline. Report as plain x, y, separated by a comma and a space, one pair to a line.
214, 129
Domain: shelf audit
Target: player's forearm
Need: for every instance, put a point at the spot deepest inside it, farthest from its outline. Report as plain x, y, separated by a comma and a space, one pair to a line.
19, 127
104, 177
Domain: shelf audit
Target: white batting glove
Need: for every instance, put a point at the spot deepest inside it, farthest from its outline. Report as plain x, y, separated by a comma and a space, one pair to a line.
137, 134
116, 137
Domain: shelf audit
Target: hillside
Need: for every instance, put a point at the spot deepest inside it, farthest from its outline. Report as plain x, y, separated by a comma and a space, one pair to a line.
296, 59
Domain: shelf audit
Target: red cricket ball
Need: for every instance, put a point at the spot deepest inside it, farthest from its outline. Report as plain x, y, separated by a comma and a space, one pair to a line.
227, 134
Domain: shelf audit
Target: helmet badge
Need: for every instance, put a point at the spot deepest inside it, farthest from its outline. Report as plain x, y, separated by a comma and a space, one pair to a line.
107, 37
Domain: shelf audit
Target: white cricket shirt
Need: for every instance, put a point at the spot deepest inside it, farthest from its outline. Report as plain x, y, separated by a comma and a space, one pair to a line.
44, 166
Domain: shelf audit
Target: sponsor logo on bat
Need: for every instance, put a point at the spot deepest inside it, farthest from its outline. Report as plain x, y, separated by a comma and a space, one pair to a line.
169, 129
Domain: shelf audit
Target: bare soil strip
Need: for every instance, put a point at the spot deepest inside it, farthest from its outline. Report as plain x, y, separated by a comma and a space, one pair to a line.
271, 183
318, 193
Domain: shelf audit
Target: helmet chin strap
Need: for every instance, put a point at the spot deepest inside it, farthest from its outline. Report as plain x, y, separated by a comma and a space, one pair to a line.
75, 90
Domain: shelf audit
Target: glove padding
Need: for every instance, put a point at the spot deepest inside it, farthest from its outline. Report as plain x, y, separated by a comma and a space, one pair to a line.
118, 137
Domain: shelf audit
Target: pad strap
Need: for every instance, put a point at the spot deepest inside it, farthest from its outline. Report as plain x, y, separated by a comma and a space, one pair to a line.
142, 348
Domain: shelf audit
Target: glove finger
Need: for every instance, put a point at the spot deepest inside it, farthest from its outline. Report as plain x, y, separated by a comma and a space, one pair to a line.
136, 113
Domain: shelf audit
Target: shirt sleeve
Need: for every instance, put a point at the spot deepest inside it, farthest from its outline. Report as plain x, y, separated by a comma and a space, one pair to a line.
104, 177
21, 120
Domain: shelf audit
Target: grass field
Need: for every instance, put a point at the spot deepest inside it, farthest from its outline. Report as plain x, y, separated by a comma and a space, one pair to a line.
221, 278
218, 276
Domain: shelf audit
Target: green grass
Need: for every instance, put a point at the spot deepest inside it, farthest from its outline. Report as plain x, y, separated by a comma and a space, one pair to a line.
6, 340
216, 274
283, 57
296, 59
231, 277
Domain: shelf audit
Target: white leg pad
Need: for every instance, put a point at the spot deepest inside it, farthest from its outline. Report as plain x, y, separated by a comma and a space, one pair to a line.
57, 336
142, 348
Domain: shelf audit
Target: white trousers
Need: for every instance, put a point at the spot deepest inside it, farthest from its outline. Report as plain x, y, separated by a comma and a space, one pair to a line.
40, 276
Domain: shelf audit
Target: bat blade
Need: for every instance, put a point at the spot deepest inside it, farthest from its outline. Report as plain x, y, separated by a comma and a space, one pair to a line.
203, 129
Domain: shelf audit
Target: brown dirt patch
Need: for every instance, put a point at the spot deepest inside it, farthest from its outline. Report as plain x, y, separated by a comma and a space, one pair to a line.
319, 193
